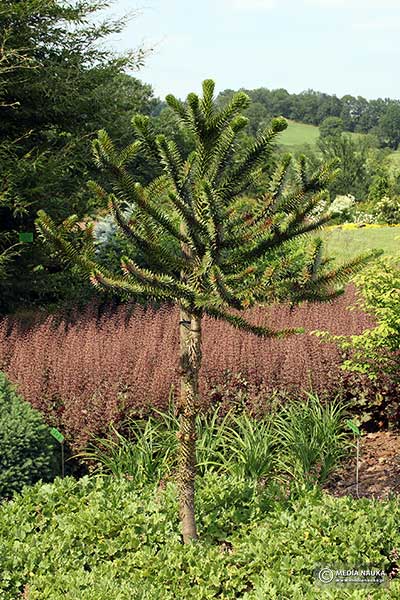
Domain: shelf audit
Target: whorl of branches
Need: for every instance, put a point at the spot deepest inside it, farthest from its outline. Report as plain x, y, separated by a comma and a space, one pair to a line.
204, 254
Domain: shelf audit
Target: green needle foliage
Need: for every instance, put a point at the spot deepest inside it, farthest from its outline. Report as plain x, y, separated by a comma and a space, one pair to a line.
200, 251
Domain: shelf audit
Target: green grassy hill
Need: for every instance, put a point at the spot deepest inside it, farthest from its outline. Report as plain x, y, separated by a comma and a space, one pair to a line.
299, 134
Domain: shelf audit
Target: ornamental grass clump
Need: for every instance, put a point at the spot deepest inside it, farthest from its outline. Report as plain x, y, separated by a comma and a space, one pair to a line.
299, 444
312, 439
200, 250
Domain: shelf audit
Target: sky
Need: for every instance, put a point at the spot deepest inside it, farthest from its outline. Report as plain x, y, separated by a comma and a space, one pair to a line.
333, 46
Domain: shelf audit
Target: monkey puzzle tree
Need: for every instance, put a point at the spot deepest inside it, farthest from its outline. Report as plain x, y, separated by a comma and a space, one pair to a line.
201, 248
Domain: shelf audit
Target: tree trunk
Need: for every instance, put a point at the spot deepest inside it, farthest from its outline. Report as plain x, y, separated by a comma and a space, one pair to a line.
190, 361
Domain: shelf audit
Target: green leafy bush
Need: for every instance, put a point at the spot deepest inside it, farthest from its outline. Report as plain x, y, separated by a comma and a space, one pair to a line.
26, 447
387, 210
376, 350
375, 353
102, 538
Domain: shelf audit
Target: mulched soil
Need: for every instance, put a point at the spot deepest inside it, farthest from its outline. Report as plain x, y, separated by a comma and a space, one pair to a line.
379, 469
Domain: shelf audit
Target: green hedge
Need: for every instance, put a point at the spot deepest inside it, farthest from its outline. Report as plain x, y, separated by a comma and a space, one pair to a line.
26, 447
104, 538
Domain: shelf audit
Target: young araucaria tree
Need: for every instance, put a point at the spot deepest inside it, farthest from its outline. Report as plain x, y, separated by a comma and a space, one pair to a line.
198, 249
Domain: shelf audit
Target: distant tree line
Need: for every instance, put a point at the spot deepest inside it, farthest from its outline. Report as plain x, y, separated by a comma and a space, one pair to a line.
380, 117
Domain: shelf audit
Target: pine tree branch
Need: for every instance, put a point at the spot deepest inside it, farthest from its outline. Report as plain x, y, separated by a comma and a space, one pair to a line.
278, 238
239, 102
207, 102
125, 287
165, 283
237, 179
178, 107
147, 135
133, 192
222, 289
241, 323
149, 247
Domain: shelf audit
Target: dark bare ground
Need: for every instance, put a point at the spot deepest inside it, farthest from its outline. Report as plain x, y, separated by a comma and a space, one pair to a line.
379, 468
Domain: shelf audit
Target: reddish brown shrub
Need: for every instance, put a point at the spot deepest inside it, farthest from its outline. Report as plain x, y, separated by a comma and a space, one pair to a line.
85, 374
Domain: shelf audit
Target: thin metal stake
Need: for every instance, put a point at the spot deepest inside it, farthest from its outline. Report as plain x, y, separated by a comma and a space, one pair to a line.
62, 459
357, 467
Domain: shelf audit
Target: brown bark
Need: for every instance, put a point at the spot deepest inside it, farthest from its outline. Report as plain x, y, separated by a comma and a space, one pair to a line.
190, 360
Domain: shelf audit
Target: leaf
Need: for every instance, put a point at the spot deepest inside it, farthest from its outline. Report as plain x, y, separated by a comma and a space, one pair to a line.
352, 425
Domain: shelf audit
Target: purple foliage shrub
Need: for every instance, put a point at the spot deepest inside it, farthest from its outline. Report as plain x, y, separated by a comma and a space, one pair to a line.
92, 371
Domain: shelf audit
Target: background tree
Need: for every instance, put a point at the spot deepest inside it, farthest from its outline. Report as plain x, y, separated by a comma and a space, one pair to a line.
380, 186
258, 118
329, 106
331, 127
369, 119
357, 113
389, 126
205, 254
353, 109
57, 87
353, 155
8, 251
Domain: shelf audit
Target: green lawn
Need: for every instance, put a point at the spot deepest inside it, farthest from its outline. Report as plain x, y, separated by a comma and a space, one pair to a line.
299, 134
347, 243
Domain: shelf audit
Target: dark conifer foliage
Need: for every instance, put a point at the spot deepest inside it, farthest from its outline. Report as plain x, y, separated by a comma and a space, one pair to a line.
58, 85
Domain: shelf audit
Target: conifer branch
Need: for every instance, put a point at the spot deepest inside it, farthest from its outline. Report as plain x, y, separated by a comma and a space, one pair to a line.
237, 179
150, 247
165, 283
239, 102
240, 323
147, 135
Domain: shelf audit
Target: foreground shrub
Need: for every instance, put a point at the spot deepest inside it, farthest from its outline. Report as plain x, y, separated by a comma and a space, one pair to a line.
26, 448
376, 350
96, 370
103, 538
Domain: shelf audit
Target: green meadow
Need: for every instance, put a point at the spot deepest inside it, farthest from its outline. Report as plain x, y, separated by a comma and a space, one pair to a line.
346, 243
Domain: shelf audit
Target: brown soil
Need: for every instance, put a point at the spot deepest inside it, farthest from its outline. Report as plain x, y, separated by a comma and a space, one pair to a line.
379, 468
